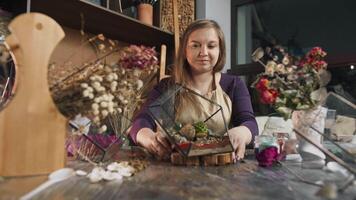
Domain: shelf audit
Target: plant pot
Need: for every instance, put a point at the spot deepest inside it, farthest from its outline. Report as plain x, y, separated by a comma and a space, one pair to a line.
145, 13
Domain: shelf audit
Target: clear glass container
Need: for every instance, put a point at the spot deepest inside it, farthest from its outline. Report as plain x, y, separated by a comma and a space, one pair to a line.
193, 123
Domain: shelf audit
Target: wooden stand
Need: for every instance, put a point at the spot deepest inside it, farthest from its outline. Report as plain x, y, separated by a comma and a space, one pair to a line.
32, 131
209, 160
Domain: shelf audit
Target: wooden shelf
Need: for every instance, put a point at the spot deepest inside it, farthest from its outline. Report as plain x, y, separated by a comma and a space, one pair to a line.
98, 19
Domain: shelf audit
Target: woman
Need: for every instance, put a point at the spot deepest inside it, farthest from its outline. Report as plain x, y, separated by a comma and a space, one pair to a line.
200, 59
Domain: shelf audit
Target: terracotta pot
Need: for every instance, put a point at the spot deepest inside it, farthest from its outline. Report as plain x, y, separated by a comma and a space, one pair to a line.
145, 13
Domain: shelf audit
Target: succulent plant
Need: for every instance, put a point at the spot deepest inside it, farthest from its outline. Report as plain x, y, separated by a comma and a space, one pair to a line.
201, 129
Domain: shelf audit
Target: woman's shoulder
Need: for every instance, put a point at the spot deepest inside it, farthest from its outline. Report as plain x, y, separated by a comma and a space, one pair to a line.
163, 84
229, 80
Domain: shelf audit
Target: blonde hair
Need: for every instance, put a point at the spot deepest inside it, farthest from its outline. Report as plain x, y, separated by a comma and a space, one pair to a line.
181, 70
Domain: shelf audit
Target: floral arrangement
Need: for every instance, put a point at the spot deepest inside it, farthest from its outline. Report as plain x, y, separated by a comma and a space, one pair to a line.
116, 89
105, 92
289, 83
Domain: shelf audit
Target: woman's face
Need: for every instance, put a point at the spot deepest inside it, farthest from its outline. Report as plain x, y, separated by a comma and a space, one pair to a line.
202, 50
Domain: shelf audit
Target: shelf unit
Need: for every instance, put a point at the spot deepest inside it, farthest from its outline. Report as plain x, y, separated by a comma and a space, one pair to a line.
97, 19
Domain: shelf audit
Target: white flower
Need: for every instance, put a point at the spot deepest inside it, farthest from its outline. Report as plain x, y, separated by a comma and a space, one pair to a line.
257, 54
105, 97
270, 67
96, 112
110, 103
104, 113
97, 100
86, 93
121, 98
136, 72
96, 84
119, 110
115, 76
100, 79
104, 104
101, 66
125, 101
113, 84
95, 106
111, 109
280, 68
101, 89
111, 97
90, 89
102, 129
84, 85
113, 89
91, 96
139, 84
96, 119
110, 77
285, 60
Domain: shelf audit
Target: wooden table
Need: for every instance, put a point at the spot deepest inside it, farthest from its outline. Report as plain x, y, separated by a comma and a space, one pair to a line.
161, 180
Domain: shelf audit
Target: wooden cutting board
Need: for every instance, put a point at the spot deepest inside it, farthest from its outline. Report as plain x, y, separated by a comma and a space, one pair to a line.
32, 131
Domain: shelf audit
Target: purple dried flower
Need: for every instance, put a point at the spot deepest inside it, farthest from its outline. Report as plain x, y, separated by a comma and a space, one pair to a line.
138, 57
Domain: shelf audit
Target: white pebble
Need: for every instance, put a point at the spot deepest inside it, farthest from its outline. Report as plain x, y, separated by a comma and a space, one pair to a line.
81, 173
94, 178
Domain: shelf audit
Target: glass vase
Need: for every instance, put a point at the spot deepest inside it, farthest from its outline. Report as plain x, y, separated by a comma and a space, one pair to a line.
309, 123
99, 147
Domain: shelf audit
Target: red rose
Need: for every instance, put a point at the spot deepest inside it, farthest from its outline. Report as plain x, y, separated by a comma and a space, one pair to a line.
320, 64
269, 96
262, 84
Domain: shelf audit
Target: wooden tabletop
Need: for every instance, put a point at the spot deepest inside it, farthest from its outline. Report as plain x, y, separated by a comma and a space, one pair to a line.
161, 180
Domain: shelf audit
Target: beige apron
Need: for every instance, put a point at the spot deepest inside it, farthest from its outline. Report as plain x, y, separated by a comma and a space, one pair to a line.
194, 108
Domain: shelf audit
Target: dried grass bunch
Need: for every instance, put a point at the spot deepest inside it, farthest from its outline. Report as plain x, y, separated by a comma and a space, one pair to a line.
108, 92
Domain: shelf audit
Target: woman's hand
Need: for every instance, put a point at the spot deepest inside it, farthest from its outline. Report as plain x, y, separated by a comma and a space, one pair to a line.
154, 142
239, 136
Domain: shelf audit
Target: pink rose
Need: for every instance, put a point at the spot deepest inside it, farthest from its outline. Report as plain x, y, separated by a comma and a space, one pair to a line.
267, 156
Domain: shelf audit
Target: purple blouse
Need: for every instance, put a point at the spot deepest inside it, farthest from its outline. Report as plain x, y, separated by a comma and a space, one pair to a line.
233, 86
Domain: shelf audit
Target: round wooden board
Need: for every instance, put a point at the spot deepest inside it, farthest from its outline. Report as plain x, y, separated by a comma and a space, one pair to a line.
208, 160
